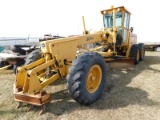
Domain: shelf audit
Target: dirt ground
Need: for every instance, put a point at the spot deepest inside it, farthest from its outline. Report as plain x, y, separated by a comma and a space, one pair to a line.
131, 93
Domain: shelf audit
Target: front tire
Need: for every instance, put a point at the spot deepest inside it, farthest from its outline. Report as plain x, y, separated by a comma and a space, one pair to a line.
87, 77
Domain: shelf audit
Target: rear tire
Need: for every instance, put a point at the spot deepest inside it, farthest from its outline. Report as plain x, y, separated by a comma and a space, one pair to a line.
135, 53
87, 77
33, 56
142, 51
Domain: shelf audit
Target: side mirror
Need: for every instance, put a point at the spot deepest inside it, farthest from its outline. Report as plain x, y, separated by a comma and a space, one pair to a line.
131, 29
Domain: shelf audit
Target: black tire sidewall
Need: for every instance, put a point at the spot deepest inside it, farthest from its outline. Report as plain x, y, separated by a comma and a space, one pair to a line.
101, 86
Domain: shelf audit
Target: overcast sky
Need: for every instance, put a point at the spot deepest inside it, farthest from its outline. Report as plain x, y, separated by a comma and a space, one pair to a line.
20, 18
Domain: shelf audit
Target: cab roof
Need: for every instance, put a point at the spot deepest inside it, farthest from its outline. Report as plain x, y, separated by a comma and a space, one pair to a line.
121, 8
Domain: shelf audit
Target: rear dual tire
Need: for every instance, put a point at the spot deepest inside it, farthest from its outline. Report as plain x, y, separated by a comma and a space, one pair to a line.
135, 53
142, 51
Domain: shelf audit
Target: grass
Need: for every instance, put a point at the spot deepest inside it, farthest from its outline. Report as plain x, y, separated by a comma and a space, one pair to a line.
131, 93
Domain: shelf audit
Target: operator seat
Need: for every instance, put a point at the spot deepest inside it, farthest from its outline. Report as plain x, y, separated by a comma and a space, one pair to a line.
119, 38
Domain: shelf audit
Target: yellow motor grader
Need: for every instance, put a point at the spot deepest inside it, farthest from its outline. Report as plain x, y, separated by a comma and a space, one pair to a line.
81, 59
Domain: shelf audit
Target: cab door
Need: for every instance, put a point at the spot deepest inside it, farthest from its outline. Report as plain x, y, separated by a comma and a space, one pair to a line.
126, 28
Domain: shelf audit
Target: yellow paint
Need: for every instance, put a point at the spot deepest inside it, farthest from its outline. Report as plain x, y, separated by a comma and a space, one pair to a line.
94, 78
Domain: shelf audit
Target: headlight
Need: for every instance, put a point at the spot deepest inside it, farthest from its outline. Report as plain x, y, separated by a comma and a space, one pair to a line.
43, 45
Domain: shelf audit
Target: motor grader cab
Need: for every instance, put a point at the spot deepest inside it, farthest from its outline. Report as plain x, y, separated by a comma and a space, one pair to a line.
81, 59
117, 21
121, 24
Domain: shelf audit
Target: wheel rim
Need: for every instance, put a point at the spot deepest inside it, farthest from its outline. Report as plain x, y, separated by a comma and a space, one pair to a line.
137, 56
93, 78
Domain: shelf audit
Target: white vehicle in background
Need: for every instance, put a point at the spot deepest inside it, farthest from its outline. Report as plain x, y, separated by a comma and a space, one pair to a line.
153, 46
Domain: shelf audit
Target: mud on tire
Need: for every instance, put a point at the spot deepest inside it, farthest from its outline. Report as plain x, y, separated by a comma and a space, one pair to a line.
79, 72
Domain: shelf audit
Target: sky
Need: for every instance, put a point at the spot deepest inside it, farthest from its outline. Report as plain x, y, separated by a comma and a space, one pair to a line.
34, 18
